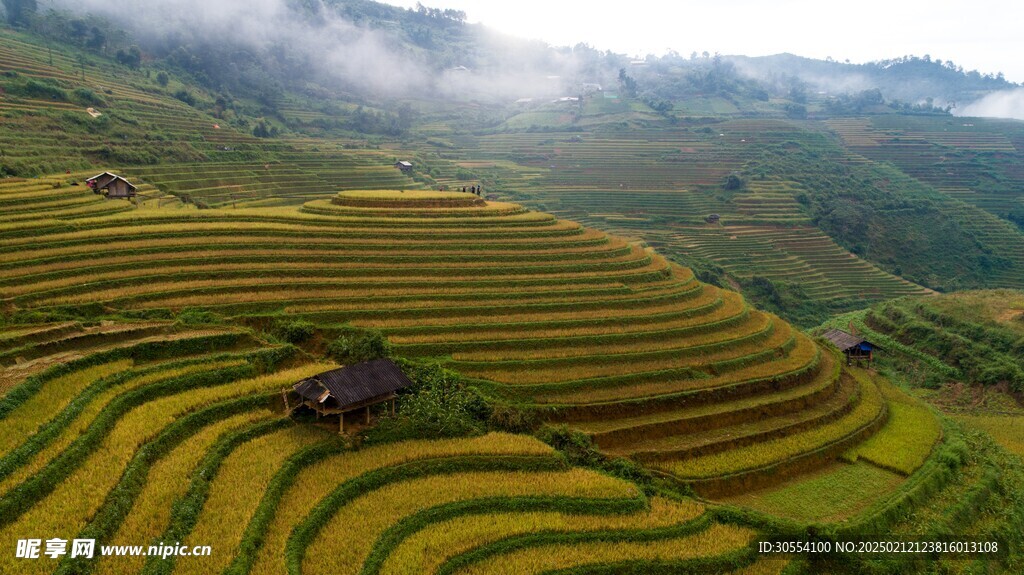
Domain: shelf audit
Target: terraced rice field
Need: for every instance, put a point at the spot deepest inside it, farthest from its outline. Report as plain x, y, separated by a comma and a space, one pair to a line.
567, 323
291, 178
172, 438
579, 326
802, 255
120, 424
960, 157
204, 159
659, 185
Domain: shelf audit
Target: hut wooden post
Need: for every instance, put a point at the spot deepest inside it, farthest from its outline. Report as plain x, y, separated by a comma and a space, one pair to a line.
367, 415
341, 423
392, 408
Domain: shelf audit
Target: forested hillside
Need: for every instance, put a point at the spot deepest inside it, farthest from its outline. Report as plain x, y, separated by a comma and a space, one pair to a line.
594, 271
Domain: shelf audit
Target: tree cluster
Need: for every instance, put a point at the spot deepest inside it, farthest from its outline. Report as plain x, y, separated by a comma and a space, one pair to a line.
20, 12
447, 14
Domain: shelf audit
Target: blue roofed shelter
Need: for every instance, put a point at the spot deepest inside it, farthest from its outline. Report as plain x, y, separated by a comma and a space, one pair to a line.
360, 386
855, 348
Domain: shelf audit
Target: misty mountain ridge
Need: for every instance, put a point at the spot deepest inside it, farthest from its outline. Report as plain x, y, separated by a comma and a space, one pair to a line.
368, 52
908, 78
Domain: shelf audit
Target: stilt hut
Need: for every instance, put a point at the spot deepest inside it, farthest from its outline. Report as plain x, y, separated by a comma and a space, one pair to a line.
853, 347
119, 188
111, 185
352, 388
99, 181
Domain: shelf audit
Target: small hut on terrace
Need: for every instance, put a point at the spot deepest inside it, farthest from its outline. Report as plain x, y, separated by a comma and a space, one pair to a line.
352, 388
111, 185
853, 347
404, 165
98, 181
119, 188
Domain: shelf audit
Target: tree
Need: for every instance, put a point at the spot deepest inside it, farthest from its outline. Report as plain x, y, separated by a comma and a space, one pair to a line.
98, 39
20, 12
79, 29
627, 83
358, 345
733, 182
132, 58
798, 93
261, 131
795, 111
438, 404
162, 78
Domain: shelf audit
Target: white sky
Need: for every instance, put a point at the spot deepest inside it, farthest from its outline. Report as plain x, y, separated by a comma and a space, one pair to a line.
987, 35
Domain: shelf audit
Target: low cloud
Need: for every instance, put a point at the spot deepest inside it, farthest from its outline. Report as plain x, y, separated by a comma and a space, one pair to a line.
1003, 104
315, 41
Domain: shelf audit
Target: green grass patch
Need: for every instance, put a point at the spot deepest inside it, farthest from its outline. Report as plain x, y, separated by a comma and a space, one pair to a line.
833, 493
906, 440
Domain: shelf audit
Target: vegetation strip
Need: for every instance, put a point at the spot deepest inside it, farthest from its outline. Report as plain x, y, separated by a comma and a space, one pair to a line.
50, 430
186, 510
410, 524
146, 351
522, 542
20, 499
256, 530
304, 533
121, 499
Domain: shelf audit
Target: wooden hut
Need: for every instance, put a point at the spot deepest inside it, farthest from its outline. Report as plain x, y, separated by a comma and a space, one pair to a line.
713, 218
853, 347
119, 188
404, 165
352, 388
99, 181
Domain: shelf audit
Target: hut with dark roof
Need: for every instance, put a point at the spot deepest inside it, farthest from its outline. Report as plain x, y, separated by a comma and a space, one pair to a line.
352, 388
99, 181
111, 185
119, 188
852, 346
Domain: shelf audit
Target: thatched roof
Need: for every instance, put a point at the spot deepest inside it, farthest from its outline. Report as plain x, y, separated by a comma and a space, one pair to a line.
354, 384
844, 340
100, 180
98, 176
119, 178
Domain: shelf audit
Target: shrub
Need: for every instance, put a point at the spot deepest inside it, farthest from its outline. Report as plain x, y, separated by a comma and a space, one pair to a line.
44, 89
197, 317
131, 57
733, 182
185, 96
438, 405
87, 97
358, 345
579, 449
296, 331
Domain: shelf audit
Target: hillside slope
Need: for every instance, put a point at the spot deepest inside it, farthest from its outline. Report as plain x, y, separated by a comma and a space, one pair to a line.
796, 239
548, 316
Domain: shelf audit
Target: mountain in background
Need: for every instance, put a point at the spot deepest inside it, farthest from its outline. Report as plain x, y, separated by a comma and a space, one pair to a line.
909, 78
834, 184
364, 51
